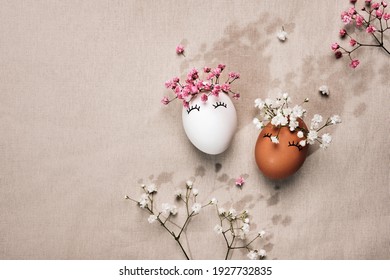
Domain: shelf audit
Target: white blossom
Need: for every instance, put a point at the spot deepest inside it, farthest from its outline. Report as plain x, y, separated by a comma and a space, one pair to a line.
279, 119
275, 139
152, 219
259, 125
195, 191
326, 140
312, 136
302, 143
282, 35
259, 103
151, 188
233, 213
143, 201
214, 201
298, 111
335, 119
245, 228
253, 255
218, 229
246, 221
221, 211
293, 124
189, 184
324, 90
196, 208
315, 121
261, 234
166, 208
173, 210
300, 134
177, 193
268, 101
262, 253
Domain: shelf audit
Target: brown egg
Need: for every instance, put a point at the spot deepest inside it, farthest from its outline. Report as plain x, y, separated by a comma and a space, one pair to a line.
278, 161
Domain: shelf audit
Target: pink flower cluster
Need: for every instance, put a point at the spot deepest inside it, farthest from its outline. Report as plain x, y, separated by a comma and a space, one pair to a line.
372, 18
194, 85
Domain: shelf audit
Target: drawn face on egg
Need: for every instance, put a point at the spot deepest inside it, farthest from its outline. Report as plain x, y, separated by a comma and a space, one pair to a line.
210, 125
279, 161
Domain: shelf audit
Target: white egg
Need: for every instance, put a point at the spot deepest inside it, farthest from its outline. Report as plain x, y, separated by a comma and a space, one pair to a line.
210, 125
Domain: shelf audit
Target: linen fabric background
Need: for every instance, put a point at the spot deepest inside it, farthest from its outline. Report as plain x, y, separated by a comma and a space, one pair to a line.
82, 126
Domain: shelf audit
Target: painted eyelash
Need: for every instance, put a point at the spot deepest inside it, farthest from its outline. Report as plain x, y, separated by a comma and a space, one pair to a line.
196, 107
267, 135
218, 104
295, 145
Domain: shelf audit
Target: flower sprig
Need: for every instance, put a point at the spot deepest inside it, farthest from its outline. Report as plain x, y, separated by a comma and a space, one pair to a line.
194, 85
373, 18
280, 113
232, 225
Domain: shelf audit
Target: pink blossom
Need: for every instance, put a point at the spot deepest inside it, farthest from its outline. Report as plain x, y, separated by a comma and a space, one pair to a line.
210, 76
345, 17
370, 29
168, 84
204, 97
234, 75
375, 6
165, 100
338, 54
359, 20
378, 13
186, 104
236, 96
216, 90
194, 89
221, 66
225, 87
384, 4
335, 46
352, 42
193, 74
343, 32
354, 63
207, 86
386, 16
351, 11
216, 71
240, 181
206, 69
176, 79
180, 49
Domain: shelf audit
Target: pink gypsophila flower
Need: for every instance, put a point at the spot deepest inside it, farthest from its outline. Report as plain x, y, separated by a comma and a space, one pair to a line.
335, 46
370, 29
206, 69
165, 100
236, 96
186, 104
221, 66
240, 181
351, 11
386, 16
352, 42
234, 75
345, 17
204, 98
359, 20
375, 6
225, 87
180, 49
338, 54
384, 4
354, 63
379, 14
343, 32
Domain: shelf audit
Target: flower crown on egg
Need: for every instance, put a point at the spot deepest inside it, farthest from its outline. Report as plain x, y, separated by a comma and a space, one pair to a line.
280, 114
194, 85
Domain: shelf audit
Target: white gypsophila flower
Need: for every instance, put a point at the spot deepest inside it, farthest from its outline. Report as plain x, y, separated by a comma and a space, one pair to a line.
253, 255
245, 228
287, 111
173, 210
242, 235
282, 35
261, 234
324, 90
279, 119
143, 201
335, 119
166, 208
262, 253
259, 125
151, 188
233, 213
326, 140
268, 101
293, 124
196, 208
218, 229
195, 191
312, 136
315, 121
246, 220
152, 219
221, 211
214, 201
275, 139
300, 134
177, 193
298, 111
285, 96
259, 103
189, 184
302, 143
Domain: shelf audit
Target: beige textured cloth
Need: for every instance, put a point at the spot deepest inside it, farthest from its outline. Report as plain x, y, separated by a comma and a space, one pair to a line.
82, 126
